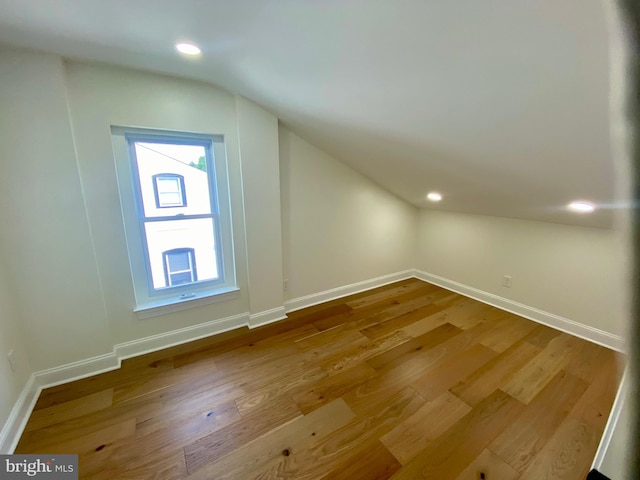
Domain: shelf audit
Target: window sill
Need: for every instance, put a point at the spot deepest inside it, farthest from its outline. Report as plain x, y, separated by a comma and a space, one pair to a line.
171, 305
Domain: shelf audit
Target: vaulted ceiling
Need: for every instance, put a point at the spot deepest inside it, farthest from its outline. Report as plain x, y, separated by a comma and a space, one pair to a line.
500, 105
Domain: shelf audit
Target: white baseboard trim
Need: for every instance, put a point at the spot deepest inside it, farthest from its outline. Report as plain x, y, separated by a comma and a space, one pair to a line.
267, 317
177, 337
586, 332
19, 415
71, 372
15, 424
111, 361
612, 422
346, 290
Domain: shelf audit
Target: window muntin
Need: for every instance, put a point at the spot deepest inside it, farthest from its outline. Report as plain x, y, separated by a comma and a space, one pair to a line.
169, 190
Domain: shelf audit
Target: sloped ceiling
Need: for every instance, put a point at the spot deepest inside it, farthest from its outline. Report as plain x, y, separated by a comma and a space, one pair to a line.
500, 105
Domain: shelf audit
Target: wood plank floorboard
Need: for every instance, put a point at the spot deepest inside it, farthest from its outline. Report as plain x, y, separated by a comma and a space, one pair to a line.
405, 381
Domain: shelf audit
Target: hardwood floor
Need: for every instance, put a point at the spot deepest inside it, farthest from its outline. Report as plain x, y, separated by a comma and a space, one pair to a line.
406, 381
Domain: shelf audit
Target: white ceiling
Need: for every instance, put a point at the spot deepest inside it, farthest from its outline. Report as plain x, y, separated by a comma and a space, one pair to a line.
500, 105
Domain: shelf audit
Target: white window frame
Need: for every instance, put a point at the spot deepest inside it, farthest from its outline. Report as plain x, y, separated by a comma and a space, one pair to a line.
150, 301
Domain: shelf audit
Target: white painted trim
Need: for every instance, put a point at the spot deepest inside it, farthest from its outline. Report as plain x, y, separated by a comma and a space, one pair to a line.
339, 292
177, 337
111, 361
172, 305
585, 332
71, 372
612, 422
267, 317
21, 411
14, 426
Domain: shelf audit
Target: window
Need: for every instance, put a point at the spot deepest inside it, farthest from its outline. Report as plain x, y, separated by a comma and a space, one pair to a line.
180, 266
175, 207
169, 190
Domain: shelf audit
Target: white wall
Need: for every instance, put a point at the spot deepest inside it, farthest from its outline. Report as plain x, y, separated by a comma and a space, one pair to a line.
615, 464
63, 224
62, 228
258, 136
11, 383
100, 97
573, 272
338, 226
61, 212
44, 232
67, 286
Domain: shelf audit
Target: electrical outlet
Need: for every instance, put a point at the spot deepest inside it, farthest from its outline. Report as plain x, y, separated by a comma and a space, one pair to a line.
506, 281
285, 284
11, 356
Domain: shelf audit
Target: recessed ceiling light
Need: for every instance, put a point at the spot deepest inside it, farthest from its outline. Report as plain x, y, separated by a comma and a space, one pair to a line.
188, 48
434, 196
581, 207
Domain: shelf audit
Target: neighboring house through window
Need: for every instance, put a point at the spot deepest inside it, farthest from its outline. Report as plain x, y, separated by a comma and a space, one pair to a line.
175, 206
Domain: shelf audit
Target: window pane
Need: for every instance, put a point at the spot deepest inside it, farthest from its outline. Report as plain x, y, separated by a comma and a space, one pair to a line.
178, 234
179, 262
172, 160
